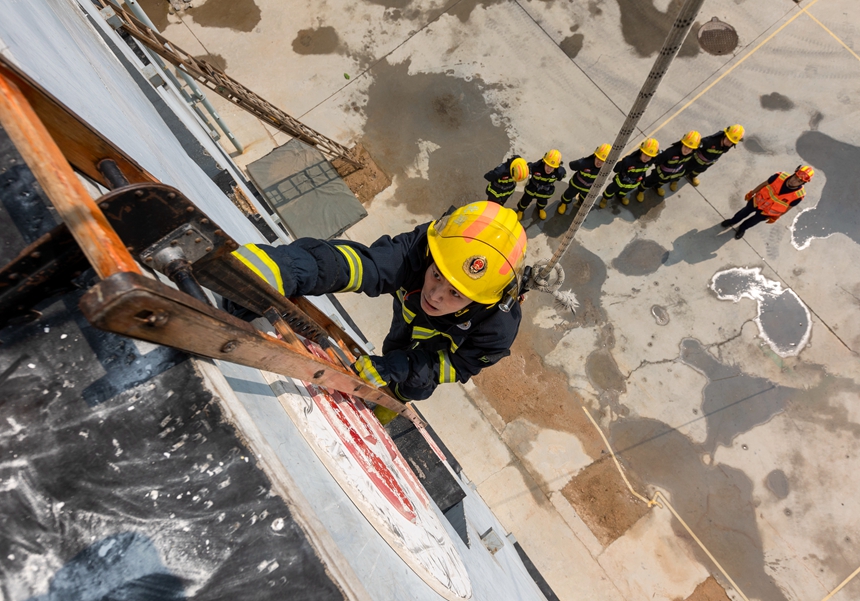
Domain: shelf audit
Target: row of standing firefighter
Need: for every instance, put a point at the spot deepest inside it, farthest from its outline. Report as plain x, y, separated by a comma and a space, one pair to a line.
690, 156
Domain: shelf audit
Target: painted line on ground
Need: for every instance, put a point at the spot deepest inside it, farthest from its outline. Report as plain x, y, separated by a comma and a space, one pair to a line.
824, 27
730, 69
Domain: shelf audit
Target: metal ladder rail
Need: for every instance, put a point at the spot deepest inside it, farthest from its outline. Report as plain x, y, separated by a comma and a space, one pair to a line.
227, 87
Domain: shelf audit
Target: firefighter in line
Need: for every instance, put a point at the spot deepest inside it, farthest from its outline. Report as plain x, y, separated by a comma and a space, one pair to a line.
544, 174
585, 171
455, 284
670, 165
503, 179
630, 171
771, 199
712, 148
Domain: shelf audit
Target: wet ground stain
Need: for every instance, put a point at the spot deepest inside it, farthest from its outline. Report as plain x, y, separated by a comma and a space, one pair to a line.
322, 40
783, 320
404, 110
837, 211
754, 145
571, 45
521, 386
815, 120
216, 60
645, 27
157, 11
238, 15
733, 402
603, 501
777, 483
584, 274
716, 501
640, 257
709, 590
696, 246
603, 373
463, 9
776, 102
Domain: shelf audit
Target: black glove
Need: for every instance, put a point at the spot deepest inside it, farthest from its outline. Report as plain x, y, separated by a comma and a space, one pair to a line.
561, 172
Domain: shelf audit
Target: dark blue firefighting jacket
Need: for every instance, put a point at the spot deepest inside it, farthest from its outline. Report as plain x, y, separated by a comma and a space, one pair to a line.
542, 184
420, 351
501, 185
710, 150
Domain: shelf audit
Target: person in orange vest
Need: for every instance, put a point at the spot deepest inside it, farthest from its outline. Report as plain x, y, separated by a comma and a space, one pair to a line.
771, 199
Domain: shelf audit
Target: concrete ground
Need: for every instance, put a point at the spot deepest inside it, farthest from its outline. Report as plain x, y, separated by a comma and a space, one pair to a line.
723, 372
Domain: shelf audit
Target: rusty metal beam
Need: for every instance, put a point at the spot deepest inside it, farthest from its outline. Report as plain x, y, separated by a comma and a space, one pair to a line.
91, 230
135, 306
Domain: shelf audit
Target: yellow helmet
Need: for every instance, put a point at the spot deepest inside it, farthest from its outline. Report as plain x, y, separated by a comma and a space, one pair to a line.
552, 158
804, 172
692, 139
602, 151
480, 249
735, 133
650, 147
519, 169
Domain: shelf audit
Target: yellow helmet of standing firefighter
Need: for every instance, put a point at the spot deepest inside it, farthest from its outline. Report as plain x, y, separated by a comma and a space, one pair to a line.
519, 169
602, 151
650, 147
552, 158
692, 139
735, 133
480, 249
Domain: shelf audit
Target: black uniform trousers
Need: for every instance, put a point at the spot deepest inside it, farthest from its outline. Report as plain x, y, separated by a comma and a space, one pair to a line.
747, 210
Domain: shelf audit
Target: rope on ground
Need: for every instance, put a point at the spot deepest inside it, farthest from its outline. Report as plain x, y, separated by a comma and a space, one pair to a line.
668, 505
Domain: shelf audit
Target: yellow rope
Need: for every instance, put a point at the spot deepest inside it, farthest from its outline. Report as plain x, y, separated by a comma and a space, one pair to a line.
842, 584
732, 68
668, 505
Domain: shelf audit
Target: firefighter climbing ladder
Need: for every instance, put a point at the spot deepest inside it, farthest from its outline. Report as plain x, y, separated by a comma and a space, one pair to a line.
224, 85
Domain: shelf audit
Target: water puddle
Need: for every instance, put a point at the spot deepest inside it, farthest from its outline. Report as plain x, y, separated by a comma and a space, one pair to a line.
783, 320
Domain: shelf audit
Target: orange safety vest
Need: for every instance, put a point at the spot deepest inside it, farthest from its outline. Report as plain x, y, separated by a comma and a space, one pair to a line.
772, 204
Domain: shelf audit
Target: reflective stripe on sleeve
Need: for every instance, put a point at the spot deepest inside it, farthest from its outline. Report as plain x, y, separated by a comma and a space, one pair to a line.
356, 268
419, 333
408, 315
259, 262
447, 373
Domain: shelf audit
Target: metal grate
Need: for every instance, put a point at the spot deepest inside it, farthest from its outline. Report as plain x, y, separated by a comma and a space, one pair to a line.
717, 37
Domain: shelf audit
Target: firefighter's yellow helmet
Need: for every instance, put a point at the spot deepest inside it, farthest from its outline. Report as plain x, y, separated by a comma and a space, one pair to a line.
735, 133
519, 169
602, 151
650, 147
692, 139
552, 158
480, 249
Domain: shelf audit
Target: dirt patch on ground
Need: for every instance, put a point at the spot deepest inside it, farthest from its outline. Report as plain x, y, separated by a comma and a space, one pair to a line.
602, 500
368, 181
521, 386
709, 590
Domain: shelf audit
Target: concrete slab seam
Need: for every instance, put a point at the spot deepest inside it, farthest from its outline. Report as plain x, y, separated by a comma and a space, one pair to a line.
729, 70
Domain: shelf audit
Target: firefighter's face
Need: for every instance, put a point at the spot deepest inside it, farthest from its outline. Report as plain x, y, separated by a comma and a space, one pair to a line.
685, 150
438, 296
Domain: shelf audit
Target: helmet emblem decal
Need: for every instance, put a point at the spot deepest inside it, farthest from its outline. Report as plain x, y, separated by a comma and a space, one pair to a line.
475, 266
